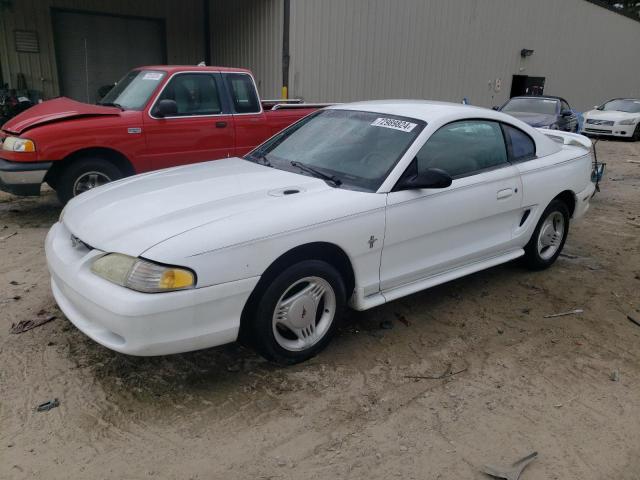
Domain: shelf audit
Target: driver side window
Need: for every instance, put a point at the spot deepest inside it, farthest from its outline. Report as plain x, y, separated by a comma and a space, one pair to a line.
194, 94
464, 148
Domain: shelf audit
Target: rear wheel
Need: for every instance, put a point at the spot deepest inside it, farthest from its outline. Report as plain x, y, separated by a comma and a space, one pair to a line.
298, 313
549, 236
84, 175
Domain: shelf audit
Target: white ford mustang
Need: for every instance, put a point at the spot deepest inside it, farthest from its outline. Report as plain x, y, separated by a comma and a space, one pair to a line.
357, 204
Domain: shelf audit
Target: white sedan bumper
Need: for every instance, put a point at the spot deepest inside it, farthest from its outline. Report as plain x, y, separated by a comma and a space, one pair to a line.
616, 130
140, 323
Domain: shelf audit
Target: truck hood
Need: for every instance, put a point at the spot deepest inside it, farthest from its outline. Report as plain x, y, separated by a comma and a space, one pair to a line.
132, 215
612, 115
534, 119
53, 111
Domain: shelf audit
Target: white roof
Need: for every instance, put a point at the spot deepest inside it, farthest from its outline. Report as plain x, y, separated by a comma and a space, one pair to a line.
437, 114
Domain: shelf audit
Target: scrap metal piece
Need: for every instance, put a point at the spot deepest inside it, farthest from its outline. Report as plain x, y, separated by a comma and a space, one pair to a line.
46, 406
24, 325
514, 471
570, 312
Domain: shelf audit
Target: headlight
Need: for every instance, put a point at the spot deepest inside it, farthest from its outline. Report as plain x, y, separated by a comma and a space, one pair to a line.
631, 121
142, 275
16, 144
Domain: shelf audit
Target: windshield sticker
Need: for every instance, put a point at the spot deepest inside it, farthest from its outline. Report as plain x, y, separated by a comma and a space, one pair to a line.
152, 76
395, 124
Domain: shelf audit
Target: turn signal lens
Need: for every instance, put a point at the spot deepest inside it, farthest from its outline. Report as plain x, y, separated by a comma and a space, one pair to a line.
142, 275
16, 144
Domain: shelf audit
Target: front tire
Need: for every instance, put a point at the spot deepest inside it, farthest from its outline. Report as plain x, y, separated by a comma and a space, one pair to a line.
636, 133
83, 175
297, 314
549, 236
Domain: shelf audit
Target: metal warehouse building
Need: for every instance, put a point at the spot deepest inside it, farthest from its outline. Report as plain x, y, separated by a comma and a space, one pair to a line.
332, 50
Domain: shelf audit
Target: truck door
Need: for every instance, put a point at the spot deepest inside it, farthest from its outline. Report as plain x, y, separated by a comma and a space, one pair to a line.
251, 127
201, 129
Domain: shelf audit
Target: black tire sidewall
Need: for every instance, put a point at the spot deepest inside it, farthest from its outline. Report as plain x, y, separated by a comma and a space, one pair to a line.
79, 167
261, 330
532, 257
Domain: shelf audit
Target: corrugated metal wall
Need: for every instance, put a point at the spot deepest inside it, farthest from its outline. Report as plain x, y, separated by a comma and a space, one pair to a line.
248, 34
345, 50
184, 29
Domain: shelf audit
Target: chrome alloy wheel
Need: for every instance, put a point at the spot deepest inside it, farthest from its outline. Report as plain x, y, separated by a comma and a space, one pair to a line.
551, 235
89, 180
304, 313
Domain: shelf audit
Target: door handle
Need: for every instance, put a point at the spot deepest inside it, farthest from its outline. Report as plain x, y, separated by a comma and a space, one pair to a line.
505, 193
221, 124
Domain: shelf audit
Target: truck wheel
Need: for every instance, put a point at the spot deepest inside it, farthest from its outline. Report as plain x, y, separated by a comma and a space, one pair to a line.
549, 236
298, 313
83, 175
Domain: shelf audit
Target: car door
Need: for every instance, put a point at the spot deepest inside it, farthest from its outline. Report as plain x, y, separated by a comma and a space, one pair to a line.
201, 129
432, 231
251, 127
568, 123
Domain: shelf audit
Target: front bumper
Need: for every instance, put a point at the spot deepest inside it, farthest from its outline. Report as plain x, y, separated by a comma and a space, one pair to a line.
140, 323
22, 178
624, 131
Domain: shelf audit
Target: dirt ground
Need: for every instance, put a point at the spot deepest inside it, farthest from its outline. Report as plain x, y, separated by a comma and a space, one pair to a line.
518, 382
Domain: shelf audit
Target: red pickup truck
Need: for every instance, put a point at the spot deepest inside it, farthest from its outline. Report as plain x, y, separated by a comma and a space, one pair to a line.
155, 117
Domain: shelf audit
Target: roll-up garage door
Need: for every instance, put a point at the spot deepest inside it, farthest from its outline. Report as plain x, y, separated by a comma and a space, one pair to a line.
94, 50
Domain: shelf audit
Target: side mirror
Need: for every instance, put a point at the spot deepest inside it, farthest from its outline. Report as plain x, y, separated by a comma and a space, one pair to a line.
496, 108
166, 108
566, 113
430, 178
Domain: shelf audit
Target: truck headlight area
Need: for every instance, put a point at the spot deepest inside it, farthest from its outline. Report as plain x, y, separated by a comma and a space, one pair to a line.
16, 144
142, 275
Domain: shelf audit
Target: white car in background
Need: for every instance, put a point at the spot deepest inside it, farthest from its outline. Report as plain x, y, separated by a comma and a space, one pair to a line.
357, 204
619, 117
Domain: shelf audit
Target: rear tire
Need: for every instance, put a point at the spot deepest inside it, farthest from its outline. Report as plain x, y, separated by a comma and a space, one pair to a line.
298, 313
83, 175
549, 236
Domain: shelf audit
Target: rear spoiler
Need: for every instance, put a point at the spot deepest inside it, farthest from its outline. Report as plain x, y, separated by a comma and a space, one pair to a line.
567, 138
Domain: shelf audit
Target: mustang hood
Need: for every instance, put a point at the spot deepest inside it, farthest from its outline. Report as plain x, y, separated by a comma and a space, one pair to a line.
55, 110
136, 213
534, 119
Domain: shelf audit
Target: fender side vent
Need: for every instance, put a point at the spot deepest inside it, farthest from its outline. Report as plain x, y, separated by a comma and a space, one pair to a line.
290, 192
525, 215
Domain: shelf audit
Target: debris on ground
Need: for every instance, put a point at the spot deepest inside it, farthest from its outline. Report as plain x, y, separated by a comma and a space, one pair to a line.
25, 325
6, 237
403, 320
46, 406
514, 471
633, 320
569, 255
445, 374
570, 312
386, 324
633, 161
615, 376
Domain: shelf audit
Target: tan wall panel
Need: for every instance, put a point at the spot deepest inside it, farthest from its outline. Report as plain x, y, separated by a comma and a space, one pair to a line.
345, 50
248, 34
183, 20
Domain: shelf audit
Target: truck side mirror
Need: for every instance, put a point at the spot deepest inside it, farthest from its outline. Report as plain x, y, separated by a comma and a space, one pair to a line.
166, 108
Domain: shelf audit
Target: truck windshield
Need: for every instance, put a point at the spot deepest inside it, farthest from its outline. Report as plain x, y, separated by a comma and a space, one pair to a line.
134, 89
355, 149
545, 106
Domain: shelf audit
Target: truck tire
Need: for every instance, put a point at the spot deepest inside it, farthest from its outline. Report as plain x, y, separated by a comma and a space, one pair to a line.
83, 175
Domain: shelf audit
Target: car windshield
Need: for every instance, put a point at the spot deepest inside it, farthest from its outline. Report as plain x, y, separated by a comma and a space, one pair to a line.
134, 89
353, 148
544, 106
629, 106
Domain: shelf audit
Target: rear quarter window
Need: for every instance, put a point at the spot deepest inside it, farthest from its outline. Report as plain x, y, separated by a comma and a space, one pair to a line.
521, 146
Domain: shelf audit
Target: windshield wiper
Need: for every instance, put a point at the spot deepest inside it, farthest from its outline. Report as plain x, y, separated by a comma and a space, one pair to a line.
112, 104
325, 176
261, 158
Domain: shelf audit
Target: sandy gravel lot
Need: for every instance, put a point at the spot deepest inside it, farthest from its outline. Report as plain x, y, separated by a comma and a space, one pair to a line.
528, 382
